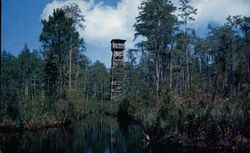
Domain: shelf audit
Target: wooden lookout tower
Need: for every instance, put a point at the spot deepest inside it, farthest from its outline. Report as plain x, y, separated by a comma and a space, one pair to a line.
117, 67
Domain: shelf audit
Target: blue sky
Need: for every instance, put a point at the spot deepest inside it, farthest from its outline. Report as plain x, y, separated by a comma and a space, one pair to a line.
21, 23
105, 20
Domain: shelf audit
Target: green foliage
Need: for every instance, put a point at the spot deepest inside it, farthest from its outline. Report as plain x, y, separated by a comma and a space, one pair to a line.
9, 86
98, 85
71, 106
224, 118
182, 85
34, 86
62, 51
157, 23
33, 114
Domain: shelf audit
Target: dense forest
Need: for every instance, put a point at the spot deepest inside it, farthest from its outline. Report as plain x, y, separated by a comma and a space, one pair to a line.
178, 86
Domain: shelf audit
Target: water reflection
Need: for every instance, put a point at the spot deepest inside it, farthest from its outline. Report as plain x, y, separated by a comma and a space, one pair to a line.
95, 134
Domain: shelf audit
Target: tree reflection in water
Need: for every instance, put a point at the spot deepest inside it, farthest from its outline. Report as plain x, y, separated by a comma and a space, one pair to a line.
95, 134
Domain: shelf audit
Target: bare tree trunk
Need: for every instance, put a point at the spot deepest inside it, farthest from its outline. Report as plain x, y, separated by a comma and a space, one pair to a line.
26, 90
60, 76
171, 67
200, 66
70, 68
187, 68
34, 88
157, 75
171, 72
187, 57
60, 67
77, 82
183, 85
248, 67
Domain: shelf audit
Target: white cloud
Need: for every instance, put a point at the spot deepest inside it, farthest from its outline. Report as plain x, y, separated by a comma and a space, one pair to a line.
216, 11
104, 23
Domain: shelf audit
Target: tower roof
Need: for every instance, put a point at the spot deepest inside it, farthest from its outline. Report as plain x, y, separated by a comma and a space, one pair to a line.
118, 41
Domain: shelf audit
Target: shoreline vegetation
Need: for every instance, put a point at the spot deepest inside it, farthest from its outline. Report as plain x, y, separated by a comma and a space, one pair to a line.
225, 134
180, 89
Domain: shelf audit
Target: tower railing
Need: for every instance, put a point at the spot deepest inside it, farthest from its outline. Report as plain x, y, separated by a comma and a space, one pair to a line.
117, 65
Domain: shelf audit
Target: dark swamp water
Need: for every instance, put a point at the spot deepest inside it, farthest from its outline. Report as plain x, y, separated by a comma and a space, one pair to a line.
95, 134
